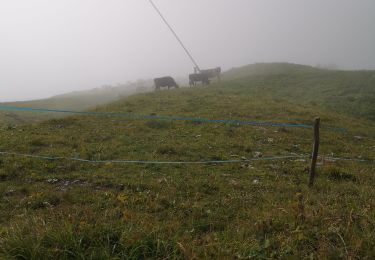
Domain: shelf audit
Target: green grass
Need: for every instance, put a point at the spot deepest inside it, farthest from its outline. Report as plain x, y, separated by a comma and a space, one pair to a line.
350, 92
71, 210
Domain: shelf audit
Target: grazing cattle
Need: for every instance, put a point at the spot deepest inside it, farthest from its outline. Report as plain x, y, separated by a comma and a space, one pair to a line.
212, 73
165, 82
193, 78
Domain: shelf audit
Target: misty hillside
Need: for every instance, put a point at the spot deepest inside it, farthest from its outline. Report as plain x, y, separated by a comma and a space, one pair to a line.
79, 101
350, 92
201, 157
347, 92
102, 209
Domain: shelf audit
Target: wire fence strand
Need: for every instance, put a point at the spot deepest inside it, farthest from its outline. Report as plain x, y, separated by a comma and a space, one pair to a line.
165, 118
271, 158
55, 158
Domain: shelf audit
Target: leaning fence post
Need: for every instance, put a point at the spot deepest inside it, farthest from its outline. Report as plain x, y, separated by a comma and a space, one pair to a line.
314, 152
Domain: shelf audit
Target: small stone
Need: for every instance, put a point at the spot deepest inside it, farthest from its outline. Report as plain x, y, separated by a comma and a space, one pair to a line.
9, 192
233, 182
247, 166
52, 181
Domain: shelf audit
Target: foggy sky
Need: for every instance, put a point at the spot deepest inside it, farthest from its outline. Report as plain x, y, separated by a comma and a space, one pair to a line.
49, 47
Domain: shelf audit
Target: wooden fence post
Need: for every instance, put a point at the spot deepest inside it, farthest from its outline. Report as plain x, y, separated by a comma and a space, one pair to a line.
314, 152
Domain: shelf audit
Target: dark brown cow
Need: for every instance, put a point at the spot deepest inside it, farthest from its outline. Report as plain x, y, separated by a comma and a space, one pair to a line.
197, 77
165, 82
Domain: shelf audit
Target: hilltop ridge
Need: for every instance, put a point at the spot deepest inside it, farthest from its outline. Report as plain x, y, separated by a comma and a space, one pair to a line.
347, 92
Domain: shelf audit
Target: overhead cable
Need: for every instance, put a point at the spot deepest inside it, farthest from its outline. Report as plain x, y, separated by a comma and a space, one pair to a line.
175, 34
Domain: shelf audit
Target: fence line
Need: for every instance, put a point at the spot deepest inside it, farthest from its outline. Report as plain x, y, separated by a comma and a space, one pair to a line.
346, 159
166, 118
55, 158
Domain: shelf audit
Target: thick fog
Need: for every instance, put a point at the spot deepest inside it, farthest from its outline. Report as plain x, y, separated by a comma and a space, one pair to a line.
50, 47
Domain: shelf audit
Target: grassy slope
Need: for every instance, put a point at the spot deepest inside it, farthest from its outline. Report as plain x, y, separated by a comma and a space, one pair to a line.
80, 100
67, 209
351, 92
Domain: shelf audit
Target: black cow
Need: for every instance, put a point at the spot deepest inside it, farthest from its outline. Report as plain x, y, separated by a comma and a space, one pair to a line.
165, 82
193, 78
212, 73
